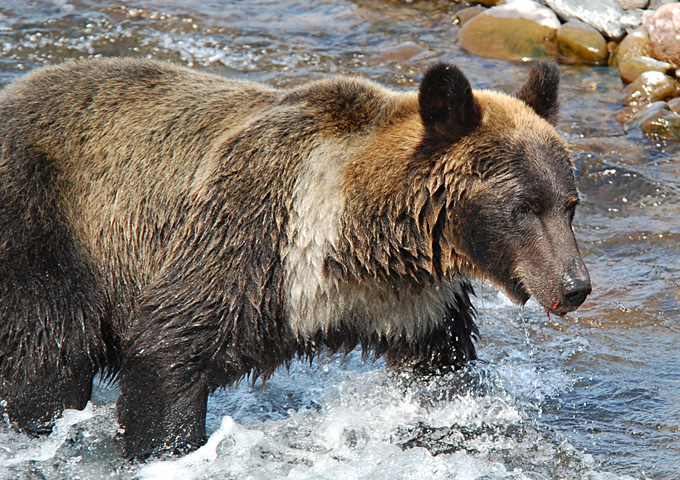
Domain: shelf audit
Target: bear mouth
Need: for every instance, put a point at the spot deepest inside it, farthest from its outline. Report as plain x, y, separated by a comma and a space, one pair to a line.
520, 294
517, 292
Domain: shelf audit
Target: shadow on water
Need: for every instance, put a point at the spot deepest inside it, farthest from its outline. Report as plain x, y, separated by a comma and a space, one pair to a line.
595, 395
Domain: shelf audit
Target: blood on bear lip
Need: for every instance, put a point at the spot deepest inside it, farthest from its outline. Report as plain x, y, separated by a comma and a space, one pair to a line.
553, 306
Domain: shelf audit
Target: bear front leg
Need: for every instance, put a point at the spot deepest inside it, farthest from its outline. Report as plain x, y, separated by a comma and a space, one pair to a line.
162, 406
51, 315
165, 376
33, 399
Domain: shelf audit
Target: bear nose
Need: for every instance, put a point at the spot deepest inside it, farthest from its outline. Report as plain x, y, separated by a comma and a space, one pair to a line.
576, 291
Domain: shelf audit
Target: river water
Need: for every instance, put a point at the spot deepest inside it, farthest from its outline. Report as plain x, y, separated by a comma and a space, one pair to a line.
595, 395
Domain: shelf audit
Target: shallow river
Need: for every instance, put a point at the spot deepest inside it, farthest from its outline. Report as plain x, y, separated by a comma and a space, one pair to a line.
595, 395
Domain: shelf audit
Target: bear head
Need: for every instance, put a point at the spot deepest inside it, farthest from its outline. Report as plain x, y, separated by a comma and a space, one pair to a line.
512, 185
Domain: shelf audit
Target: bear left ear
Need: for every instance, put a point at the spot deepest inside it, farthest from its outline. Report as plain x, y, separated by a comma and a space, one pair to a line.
540, 91
448, 107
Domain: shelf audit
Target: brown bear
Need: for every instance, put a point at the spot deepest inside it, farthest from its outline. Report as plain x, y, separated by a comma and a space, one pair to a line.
182, 231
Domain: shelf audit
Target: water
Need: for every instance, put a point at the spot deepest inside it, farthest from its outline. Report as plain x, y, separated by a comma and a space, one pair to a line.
593, 396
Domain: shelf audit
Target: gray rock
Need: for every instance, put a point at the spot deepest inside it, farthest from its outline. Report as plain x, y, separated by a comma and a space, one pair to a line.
631, 4
604, 15
631, 19
655, 4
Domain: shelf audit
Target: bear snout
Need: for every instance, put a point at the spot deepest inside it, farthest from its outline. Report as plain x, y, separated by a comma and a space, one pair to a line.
575, 291
572, 290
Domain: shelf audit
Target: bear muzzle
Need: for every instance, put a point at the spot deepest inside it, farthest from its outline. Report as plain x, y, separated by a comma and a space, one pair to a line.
576, 290
559, 286
572, 291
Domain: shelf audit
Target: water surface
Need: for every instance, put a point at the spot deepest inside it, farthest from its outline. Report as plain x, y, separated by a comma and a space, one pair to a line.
594, 395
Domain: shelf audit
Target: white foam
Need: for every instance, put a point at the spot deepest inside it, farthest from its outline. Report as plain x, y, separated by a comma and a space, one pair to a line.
356, 434
40, 450
193, 464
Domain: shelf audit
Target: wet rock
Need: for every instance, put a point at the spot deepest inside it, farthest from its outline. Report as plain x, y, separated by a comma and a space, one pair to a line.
650, 87
657, 120
578, 42
630, 4
604, 15
674, 105
636, 66
611, 48
624, 115
636, 44
646, 114
519, 30
664, 32
488, 3
467, 13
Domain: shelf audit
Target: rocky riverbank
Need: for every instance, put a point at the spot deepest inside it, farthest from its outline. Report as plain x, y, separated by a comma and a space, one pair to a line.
641, 38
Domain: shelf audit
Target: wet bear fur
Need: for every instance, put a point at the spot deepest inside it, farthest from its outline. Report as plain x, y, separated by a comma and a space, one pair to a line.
181, 231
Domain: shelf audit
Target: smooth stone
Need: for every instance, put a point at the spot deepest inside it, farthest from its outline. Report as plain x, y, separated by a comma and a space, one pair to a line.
636, 66
631, 19
578, 42
489, 3
674, 105
636, 44
631, 4
664, 32
626, 113
403, 51
467, 13
520, 30
656, 4
650, 87
604, 15
611, 48
657, 120
648, 112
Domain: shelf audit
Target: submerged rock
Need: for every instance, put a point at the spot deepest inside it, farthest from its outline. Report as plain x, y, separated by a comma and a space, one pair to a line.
402, 52
658, 120
664, 32
604, 15
650, 87
578, 42
519, 30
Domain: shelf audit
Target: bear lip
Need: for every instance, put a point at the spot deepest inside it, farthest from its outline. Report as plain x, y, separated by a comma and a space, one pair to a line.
517, 292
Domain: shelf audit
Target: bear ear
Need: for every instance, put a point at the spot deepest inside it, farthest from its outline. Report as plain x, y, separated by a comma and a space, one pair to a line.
540, 91
448, 107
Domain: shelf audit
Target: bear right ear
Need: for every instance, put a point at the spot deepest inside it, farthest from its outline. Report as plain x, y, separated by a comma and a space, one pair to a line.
540, 91
448, 106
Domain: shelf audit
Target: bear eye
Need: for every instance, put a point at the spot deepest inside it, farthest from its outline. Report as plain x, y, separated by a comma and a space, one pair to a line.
571, 208
530, 206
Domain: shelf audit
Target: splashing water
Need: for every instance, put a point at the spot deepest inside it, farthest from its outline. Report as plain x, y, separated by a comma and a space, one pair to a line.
591, 397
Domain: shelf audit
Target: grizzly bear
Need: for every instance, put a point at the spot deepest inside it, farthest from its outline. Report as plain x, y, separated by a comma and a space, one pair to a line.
181, 231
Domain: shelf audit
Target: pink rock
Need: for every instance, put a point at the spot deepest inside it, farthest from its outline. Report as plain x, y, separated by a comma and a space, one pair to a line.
664, 32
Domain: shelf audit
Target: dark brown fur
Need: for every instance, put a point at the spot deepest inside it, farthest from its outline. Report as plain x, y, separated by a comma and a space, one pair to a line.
174, 228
